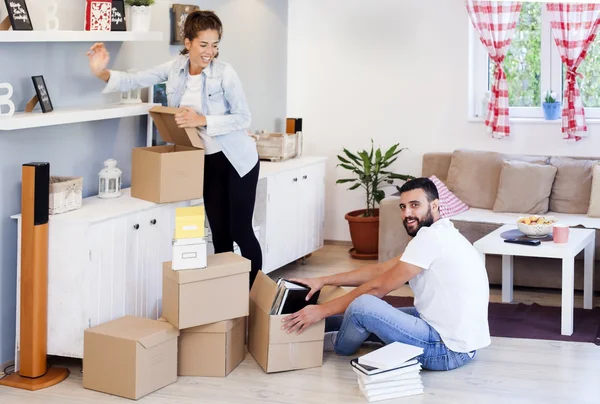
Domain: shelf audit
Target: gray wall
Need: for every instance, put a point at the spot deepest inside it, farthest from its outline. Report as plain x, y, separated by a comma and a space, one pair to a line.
255, 42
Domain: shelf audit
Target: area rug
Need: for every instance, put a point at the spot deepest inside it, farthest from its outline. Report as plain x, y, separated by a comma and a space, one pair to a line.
531, 321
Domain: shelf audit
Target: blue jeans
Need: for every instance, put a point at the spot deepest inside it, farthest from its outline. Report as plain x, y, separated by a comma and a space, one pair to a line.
369, 318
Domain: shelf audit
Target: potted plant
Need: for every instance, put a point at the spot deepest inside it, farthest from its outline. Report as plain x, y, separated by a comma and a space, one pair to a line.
372, 173
141, 14
551, 106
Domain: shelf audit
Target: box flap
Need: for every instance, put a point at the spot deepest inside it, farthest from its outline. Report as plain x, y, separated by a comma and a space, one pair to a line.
329, 293
263, 291
221, 326
144, 330
164, 119
278, 336
218, 266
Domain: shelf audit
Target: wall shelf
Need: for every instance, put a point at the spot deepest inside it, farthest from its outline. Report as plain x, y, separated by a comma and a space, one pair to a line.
79, 36
61, 116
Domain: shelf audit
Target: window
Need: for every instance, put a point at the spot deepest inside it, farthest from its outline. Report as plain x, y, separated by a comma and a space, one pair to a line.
532, 66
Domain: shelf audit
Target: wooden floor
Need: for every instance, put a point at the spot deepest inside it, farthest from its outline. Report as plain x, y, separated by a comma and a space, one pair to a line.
508, 371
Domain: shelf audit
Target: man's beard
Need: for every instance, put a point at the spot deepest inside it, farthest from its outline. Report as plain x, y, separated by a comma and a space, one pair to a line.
426, 221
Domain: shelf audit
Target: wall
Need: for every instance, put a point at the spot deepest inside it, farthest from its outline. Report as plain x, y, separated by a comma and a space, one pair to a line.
255, 42
397, 72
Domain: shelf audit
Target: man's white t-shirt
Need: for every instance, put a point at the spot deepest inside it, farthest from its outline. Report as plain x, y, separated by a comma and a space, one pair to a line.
192, 98
452, 290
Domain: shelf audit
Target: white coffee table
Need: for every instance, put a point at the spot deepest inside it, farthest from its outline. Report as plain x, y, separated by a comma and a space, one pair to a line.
579, 239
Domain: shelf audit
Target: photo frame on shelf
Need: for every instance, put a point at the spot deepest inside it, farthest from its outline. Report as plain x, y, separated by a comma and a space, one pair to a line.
118, 21
157, 94
179, 13
98, 15
42, 95
18, 16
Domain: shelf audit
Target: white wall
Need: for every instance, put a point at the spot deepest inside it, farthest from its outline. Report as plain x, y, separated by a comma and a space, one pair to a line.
255, 43
396, 71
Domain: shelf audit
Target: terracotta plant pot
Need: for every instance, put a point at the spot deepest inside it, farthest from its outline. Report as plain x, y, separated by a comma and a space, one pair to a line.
364, 232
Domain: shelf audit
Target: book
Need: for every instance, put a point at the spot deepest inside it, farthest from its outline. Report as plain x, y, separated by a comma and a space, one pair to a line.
389, 395
407, 372
371, 370
391, 355
290, 297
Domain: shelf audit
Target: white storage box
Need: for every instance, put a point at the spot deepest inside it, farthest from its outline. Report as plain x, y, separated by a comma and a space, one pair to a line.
65, 194
189, 253
276, 146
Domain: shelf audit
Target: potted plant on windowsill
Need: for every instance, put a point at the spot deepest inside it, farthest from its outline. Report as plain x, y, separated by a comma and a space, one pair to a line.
372, 173
551, 106
141, 14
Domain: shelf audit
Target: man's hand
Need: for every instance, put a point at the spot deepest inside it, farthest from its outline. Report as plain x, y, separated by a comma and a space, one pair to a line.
303, 319
315, 284
188, 118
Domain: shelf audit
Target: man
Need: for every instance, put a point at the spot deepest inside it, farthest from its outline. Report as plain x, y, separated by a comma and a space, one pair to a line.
445, 272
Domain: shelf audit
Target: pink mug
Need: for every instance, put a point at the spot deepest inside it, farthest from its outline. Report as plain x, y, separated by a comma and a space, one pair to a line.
560, 233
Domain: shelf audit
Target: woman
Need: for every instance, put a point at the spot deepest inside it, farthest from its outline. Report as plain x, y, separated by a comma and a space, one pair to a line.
211, 94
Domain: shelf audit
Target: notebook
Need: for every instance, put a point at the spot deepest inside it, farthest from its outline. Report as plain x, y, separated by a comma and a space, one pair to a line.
390, 356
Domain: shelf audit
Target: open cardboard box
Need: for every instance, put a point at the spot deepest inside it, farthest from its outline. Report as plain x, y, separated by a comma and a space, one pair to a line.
275, 349
173, 172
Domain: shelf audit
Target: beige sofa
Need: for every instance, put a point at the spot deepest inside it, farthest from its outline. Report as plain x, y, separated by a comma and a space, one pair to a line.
478, 179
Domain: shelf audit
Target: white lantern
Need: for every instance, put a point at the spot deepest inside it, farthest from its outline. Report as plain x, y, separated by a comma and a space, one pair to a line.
132, 96
109, 185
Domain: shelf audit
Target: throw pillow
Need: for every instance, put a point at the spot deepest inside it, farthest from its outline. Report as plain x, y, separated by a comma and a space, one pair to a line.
450, 205
524, 187
594, 210
572, 186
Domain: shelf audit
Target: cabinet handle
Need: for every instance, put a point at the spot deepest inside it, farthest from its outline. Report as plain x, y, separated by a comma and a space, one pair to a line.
305, 176
153, 221
136, 226
295, 179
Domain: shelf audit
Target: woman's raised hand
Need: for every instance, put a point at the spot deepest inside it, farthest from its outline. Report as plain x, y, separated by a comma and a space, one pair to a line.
98, 57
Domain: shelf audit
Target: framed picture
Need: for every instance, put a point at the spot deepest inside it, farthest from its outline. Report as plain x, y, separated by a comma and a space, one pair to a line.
179, 13
42, 93
157, 94
18, 15
117, 21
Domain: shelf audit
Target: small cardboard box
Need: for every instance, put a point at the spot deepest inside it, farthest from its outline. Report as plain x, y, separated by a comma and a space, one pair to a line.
189, 222
189, 253
203, 296
169, 173
275, 349
130, 357
212, 349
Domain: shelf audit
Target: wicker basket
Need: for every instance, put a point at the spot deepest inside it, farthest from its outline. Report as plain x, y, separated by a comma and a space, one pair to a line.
65, 194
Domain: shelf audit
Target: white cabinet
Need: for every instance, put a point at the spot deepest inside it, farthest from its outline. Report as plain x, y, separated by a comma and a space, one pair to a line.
104, 262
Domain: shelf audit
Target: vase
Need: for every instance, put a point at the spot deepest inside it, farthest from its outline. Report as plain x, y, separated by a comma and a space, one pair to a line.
364, 232
552, 110
141, 16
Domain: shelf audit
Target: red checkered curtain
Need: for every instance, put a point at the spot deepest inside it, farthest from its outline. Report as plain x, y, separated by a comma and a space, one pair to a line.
495, 23
574, 27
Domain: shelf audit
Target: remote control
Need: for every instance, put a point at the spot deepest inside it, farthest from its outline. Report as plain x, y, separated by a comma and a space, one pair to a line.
524, 242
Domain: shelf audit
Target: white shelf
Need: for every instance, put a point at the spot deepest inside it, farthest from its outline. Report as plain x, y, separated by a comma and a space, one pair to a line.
78, 36
61, 116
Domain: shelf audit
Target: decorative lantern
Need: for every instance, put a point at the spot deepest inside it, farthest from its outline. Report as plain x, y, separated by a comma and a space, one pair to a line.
132, 96
109, 185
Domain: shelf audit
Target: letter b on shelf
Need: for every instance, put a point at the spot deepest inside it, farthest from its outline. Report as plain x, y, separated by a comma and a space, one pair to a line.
5, 100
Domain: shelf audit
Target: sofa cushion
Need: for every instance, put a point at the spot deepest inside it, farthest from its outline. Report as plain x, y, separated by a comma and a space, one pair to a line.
524, 187
572, 185
450, 205
594, 209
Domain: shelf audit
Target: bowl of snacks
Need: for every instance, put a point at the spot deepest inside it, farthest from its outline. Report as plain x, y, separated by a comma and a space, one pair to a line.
536, 226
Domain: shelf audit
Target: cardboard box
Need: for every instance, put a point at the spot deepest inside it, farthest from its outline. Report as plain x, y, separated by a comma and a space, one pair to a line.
203, 296
189, 222
212, 349
189, 253
169, 173
275, 349
130, 357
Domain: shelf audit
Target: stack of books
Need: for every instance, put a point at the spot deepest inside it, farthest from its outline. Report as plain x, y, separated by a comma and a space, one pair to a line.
389, 372
189, 241
290, 297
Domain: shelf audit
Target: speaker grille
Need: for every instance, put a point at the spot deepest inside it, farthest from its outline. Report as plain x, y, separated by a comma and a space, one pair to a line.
42, 192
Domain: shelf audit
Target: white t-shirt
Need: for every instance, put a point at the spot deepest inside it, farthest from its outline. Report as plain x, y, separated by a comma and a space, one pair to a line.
452, 291
192, 98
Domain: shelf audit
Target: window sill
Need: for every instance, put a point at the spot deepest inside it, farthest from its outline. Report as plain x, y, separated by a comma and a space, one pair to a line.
592, 121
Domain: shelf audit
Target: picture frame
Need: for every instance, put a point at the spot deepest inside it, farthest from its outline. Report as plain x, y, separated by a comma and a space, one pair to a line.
118, 20
157, 94
179, 13
42, 94
18, 15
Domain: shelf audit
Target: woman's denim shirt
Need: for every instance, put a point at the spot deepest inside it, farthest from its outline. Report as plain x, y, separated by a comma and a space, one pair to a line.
223, 103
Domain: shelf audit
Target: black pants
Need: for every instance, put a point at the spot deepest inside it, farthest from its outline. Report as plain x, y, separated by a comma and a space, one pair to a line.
229, 205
